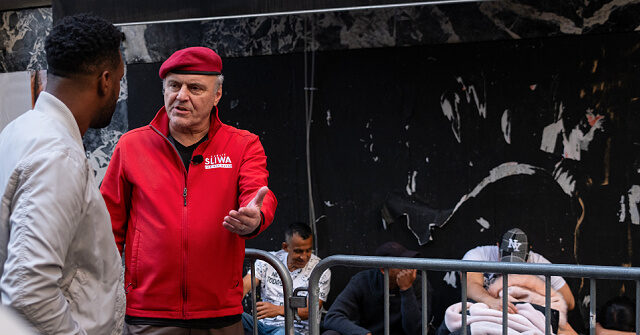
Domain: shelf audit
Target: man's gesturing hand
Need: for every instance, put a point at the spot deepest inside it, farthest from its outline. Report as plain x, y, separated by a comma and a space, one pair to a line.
246, 219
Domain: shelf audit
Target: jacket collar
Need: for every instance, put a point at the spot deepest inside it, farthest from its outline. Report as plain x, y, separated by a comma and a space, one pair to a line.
56, 109
161, 122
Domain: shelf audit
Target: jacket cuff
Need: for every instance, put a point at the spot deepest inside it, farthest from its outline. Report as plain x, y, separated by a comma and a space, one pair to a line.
407, 291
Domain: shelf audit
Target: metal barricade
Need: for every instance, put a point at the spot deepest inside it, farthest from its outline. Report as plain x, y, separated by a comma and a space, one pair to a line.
291, 302
592, 272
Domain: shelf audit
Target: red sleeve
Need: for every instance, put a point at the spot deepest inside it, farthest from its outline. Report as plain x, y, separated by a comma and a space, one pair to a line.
116, 191
254, 175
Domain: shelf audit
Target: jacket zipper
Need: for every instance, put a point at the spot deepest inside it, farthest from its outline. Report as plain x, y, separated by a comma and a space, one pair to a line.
184, 194
183, 283
184, 249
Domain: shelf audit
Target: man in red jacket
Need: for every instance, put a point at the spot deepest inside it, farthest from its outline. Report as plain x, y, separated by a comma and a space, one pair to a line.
184, 192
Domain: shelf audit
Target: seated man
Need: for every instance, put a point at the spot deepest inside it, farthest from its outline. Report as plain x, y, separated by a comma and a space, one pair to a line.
296, 255
359, 308
513, 248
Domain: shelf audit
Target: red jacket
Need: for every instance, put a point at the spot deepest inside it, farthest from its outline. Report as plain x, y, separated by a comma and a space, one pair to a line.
180, 262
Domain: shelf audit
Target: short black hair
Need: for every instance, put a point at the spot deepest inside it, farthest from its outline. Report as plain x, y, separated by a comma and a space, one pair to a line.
618, 314
301, 229
81, 44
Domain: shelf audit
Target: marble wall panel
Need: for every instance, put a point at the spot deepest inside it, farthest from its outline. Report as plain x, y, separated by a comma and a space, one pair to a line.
404, 26
22, 32
22, 35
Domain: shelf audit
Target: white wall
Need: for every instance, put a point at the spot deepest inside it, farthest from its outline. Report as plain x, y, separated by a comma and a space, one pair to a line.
15, 95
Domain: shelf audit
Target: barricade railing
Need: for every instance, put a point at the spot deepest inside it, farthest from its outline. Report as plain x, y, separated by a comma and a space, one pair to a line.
592, 272
291, 302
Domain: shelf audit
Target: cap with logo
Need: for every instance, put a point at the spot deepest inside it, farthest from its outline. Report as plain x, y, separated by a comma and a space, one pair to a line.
193, 60
514, 246
395, 249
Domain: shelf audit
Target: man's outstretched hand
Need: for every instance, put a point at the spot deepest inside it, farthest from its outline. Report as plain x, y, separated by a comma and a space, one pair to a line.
246, 219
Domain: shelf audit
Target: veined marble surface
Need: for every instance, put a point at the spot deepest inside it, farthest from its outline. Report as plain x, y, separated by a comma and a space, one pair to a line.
406, 26
22, 32
22, 35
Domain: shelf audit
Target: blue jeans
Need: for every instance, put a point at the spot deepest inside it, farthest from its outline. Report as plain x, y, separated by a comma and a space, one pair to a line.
247, 323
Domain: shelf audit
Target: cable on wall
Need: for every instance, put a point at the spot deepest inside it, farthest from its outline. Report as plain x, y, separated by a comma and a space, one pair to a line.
309, 89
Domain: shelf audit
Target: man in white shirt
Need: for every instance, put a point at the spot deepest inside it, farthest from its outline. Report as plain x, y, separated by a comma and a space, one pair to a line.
60, 268
296, 255
514, 247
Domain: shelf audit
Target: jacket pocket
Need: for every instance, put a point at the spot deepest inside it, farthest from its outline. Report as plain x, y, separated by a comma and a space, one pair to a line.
81, 292
134, 258
65, 282
236, 276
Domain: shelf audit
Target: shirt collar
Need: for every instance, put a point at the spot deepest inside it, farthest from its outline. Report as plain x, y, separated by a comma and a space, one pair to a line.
296, 271
55, 108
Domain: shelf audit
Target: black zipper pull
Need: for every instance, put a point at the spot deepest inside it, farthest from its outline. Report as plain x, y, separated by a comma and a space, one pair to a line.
184, 194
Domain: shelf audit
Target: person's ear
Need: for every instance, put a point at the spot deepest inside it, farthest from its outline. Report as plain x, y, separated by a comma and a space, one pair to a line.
104, 83
217, 96
284, 246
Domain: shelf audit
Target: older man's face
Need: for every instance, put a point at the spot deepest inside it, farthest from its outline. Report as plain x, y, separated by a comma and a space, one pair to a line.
188, 99
299, 251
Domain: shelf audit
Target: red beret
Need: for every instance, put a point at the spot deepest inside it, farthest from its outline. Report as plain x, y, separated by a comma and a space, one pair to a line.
194, 60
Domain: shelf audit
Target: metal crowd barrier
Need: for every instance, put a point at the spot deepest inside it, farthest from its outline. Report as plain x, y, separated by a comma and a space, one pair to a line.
565, 270
291, 302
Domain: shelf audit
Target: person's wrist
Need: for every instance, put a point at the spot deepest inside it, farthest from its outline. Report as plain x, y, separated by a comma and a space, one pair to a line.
404, 289
256, 230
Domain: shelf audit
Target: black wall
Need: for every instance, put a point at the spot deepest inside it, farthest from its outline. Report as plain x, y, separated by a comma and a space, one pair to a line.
386, 122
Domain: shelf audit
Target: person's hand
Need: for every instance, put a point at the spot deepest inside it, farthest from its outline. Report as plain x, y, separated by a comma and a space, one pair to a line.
246, 219
496, 303
405, 278
268, 310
